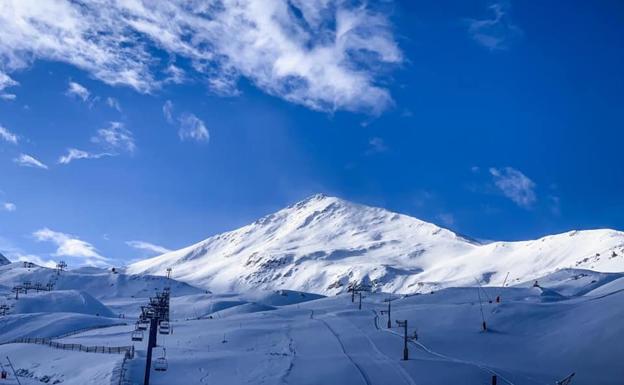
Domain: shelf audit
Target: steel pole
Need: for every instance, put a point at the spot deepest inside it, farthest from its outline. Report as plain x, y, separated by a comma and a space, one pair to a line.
151, 342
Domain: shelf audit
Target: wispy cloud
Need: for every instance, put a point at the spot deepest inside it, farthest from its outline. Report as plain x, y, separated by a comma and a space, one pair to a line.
71, 246
6, 82
8, 206
78, 90
115, 137
113, 103
32, 258
497, 31
75, 154
326, 55
7, 135
192, 128
376, 145
146, 246
514, 185
26, 160
167, 109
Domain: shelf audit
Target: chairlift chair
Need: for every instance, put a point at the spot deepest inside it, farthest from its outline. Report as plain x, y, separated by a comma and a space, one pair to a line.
142, 324
164, 327
137, 335
161, 362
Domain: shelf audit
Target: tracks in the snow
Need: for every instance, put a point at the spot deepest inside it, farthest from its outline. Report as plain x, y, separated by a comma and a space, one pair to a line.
363, 374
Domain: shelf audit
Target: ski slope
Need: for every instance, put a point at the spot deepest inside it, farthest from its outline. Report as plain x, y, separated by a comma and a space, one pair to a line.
323, 243
535, 336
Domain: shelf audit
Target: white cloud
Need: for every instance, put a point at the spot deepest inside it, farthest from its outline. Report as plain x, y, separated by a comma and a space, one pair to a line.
75, 154
323, 54
113, 103
8, 206
7, 135
515, 186
146, 246
32, 258
168, 111
70, 246
115, 137
174, 75
8, 96
497, 32
6, 81
376, 145
26, 160
192, 128
78, 90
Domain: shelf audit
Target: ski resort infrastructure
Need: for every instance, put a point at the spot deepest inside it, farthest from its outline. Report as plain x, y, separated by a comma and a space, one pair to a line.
325, 292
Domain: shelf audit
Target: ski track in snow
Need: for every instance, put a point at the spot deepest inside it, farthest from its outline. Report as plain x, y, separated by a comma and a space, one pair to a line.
443, 356
357, 366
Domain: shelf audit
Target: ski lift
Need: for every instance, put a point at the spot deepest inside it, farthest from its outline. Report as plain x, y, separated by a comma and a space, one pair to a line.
164, 327
137, 335
161, 362
142, 325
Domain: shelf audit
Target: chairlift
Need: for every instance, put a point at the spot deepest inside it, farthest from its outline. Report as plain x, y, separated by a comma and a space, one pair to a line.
142, 324
137, 335
160, 365
164, 327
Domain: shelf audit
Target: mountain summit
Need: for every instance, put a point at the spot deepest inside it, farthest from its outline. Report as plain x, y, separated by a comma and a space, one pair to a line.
323, 243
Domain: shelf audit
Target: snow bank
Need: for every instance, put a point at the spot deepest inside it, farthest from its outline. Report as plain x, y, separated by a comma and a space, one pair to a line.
61, 301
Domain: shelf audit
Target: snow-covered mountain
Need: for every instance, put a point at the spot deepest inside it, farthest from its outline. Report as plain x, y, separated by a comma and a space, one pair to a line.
323, 243
4, 260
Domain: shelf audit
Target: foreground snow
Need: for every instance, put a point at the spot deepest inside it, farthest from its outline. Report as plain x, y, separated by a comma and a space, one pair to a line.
536, 335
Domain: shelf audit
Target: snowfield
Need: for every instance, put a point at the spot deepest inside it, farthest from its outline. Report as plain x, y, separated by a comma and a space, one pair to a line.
570, 322
267, 304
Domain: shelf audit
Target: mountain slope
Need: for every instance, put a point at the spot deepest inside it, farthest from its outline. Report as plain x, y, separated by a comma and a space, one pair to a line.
323, 243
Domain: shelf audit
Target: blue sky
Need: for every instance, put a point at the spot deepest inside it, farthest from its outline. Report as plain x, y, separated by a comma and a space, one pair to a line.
127, 130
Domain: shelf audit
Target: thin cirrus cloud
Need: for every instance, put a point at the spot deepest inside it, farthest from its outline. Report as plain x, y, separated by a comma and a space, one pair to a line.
115, 137
113, 103
514, 185
8, 136
75, 154
376, 145
326, 55
26, 160
71, 246
5, 82
190, 127
496, 32
78, 90
149, 247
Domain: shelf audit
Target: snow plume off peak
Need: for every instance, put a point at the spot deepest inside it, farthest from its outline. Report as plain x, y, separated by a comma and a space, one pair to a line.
323, 243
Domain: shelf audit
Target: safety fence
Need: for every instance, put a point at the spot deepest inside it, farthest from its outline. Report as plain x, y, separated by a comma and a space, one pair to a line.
127, 350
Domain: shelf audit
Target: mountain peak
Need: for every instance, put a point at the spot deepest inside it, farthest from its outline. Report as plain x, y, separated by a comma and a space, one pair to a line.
323, 243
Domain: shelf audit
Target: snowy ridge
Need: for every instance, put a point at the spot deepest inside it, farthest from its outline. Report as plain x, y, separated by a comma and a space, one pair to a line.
4, 260
322, 243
